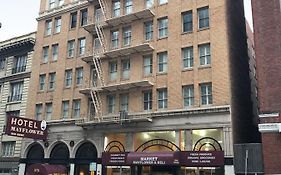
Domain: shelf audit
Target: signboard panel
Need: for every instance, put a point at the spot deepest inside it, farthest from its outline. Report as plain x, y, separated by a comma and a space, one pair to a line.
202, 158
24, 127
114, 158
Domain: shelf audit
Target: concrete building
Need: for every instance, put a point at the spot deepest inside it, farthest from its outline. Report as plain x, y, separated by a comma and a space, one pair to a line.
139, 77
15, 69
267, 47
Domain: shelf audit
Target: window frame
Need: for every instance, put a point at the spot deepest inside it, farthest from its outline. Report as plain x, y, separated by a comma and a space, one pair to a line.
48, 110
162, 98
148, 66
70, 48
148, 30
57, 25
52, 81
187, 21
205, 58
48, 27
127, 36
55, 52
162, 59
68, 78
147, 102
65, 109
83, 17
203, 17
79, 76
76, 106
163, 24
128, 7
111, 100
206, 93
188, 96
81, 46
125, 67
188, 57
73, 20
113, 70
42, 81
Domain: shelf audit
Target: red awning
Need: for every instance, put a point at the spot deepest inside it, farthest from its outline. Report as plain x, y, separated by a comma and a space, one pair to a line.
45, 169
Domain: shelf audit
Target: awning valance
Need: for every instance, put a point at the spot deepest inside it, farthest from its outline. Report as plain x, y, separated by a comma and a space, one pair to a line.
45, 169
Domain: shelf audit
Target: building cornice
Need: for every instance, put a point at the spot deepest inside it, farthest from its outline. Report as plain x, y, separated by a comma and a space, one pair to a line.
17, 42
15, 77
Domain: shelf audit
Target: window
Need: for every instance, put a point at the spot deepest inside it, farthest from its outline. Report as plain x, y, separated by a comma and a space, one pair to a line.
162, 27
148, 30
128, 7
49, 111
147, 100
45, 56
204, 54
55, 52
48, 27
97, 44
149, 3
116, 8
188, 95
70, 49
38, 112
112, 70
98, 14
2, 63
82, 46
124, 102
58, 25
127, 36
73, 20
187, 56
79, 76
147, 65
125, 69
68, 78
162, 62
65, 109
187, 21
111, 104
203, 17
114, 39
61, 2
94, 77
163, 2
84, 17
13, 113
162, 99
15, 91
52, 4
8, 149
19, 64
42, 79
206, 94
52, 81
76, 108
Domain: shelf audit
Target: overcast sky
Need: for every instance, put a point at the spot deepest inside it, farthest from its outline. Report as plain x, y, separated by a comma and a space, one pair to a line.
18, 17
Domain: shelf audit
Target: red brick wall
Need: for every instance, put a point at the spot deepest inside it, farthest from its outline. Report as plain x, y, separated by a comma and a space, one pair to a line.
267, 28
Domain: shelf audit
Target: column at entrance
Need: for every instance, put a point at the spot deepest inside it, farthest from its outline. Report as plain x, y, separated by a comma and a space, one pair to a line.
71, 171
22, 168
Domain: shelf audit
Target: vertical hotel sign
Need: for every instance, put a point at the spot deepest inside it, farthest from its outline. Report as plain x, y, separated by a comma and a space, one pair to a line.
24, 127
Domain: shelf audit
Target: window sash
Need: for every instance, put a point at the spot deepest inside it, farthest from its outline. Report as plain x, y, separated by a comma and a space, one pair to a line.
68, 78
113, 70
111, 104
114, 39
162, 99
127, 36
116, 8
57, 25
206, 94
55, 52
16, 91
203, 15
49, 110
205, 54
188, 96
82, 46
187, 54
65, 109
128, 6
147, 64
162, 62
8, 149
147, 100
2, 63
84, 17
79, 76
48, 30
163, 27
76, 108
70, 49
42, 79
148, 27
149, 3
187, 22
52, 80
73, 20
125, 69
124, 102
38, 111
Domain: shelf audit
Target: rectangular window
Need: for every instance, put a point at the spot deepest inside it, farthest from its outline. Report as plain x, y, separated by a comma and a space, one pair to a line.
188, 95
76, 108
55, 52
97, 45
61, 2
162, 99
49, 111
162, 27
203, 17
52, 4
8, 149
163, 2
128, 7
127, 36
79, 76
19, 64
2, 63
94, 77
111, 104
42, 79
112, 70
124, 102
84, 17
204, 54
148, 30
45, 53
38, 112
206, 94
52, 81
116, 8
73, 20
58, 25
162, 62
65, 109
147, 65
149, 3
98, 14
82, 46
114, 39
187, 21
70, 48
147, 100
48, 27
125, 69
68, 78
187, 57
15, 91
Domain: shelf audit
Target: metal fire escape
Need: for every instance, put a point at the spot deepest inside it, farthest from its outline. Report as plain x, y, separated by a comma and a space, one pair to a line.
95, 95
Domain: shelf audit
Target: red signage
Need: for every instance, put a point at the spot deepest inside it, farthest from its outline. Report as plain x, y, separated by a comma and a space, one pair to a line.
23, 127
202, 158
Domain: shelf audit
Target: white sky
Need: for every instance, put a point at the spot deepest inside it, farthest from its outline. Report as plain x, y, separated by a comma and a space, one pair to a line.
18, 17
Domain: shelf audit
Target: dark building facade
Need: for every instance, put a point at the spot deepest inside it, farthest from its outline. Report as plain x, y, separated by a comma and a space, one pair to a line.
267, 28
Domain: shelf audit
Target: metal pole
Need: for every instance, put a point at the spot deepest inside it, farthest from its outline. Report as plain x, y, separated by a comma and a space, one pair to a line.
246, 161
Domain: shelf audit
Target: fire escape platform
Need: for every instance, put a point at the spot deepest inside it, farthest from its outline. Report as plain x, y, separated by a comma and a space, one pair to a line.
124, 51
89, 58
117, 87
91, 27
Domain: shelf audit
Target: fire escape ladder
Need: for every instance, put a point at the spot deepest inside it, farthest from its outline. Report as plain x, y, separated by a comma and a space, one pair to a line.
101, 36
103, 6
97, 103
